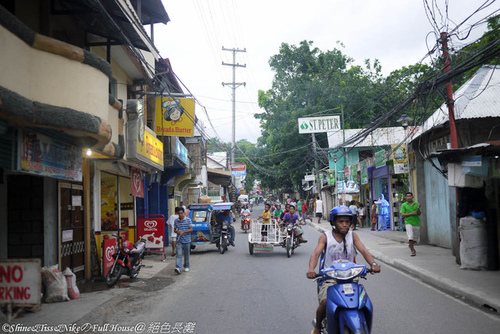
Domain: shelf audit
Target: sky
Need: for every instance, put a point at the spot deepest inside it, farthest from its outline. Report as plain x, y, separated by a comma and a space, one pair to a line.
396, 32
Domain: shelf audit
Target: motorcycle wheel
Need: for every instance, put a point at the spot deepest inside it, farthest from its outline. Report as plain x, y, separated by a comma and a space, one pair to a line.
223, 247
250, 248
114, 275
135, 272
294, 245
288, 247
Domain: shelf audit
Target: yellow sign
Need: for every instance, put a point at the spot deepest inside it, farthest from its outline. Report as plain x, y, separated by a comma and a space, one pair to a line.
174, 117
151, 149
399, 154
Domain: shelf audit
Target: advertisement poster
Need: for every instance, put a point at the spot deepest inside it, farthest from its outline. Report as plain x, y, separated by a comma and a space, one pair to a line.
44, 156
109, 221
238, 169
174, 117
137, 182
109, 246
152, 229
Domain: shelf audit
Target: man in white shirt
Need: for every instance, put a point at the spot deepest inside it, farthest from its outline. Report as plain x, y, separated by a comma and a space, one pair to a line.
319, 209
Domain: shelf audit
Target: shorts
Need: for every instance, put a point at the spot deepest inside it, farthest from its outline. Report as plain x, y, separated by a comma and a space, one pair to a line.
323, 289
413, 232
264, 230
174, 237
319, 214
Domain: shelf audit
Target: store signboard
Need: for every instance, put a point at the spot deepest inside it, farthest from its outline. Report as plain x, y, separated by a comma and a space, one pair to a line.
380, 158
45, 156
319, 124
174, 117
182, 152
364, 172
238, 169
309, 177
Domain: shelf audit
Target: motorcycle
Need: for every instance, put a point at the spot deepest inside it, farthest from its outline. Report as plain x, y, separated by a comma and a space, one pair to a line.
348, 307
245, 222
291, 241
222, 237
128, 260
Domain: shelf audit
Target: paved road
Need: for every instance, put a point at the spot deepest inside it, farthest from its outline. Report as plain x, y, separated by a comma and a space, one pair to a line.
268, 292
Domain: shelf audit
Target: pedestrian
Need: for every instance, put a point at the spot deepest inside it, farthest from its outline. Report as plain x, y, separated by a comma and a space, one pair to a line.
304, 211
361, 214
410, 211
384, 222
354, 210
338, 244
183, 227
374, 212
319, 209
173, 235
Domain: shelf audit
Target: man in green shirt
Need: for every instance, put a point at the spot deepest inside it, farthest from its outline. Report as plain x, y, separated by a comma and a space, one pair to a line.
410, 211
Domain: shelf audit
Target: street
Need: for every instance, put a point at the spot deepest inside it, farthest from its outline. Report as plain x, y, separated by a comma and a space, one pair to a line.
241, 293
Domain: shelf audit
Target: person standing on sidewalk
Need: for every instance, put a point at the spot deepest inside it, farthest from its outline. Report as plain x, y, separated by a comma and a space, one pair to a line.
173, 235
183, 227
374, 213
319, 209
410, 211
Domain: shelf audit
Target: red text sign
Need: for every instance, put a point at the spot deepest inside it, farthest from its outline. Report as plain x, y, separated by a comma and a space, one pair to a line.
20, 282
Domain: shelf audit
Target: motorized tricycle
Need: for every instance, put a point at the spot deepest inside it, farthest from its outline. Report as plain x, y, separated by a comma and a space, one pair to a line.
206, 229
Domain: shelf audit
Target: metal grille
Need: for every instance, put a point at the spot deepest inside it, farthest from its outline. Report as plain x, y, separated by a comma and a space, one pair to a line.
72, 248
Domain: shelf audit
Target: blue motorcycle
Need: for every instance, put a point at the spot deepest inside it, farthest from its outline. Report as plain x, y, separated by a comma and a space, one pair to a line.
348, 307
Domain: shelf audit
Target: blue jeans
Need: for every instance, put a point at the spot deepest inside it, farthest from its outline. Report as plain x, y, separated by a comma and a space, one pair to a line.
182, 249
231, 233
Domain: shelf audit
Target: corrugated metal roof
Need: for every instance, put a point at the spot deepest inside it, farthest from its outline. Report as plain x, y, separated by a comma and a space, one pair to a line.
479, 97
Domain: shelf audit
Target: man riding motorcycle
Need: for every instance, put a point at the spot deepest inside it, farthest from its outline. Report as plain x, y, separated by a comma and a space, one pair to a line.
226, 216
291, 218
339, 244
244, 212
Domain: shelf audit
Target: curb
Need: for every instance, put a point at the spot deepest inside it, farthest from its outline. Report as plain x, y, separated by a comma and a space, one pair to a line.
448, 286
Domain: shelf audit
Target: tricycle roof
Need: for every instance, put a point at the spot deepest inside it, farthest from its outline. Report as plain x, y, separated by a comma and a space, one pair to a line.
200, 206
223, 206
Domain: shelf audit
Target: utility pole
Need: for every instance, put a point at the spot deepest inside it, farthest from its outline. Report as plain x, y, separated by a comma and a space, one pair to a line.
449, 92
453, 134
234, 85
316, 165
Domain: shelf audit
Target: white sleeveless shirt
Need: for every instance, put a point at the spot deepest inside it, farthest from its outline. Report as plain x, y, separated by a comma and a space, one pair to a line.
335, 250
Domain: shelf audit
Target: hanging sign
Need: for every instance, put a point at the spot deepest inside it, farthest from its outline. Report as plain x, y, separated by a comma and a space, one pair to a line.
137, 182
174, 117
238, 169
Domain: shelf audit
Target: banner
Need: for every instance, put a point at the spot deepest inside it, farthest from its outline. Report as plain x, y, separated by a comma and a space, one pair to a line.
238, 169
108, 249
174, 117
137, 182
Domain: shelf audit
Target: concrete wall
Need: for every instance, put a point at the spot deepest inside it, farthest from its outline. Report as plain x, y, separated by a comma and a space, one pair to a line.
52, 79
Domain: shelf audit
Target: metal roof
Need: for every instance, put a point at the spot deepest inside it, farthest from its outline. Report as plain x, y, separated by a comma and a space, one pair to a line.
479, 97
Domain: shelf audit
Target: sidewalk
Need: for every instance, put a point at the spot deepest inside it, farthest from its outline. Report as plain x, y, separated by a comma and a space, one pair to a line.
433, 265
92, 296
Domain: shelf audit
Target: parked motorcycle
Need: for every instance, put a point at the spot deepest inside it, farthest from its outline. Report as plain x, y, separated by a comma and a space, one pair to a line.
348, 307
245, 222
127, 260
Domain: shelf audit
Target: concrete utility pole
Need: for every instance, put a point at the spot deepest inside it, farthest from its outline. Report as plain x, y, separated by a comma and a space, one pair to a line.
449, 92
234, 85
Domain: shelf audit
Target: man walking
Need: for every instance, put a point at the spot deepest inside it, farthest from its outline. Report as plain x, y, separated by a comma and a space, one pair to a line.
319, 209
183, 227
410, 211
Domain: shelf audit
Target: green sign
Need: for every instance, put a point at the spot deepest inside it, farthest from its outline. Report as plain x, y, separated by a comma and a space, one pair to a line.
380, 158
364, 172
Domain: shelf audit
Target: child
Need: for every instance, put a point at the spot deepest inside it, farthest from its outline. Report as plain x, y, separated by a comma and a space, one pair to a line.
266, 221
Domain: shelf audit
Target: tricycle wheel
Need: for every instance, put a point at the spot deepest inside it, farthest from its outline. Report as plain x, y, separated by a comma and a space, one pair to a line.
250, 248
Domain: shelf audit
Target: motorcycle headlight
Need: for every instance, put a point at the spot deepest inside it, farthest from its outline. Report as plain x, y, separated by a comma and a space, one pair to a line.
345, 274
